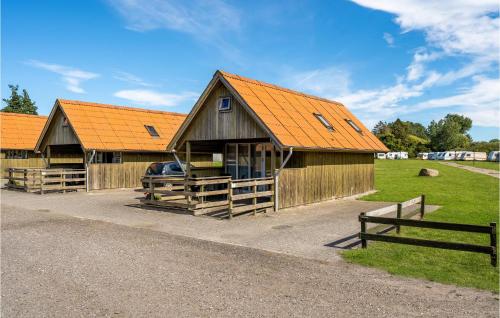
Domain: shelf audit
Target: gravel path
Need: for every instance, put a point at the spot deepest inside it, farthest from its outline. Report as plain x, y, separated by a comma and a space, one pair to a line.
488, 172
61, 266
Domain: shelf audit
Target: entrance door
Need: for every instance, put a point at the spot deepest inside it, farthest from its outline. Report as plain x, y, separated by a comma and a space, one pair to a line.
248, 160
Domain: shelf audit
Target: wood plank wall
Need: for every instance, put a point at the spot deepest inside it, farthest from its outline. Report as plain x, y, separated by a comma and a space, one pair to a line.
128, 173
317, 176
211, 124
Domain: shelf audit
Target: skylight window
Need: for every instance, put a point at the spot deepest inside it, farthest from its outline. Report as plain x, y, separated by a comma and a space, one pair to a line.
152, 131
353, 125
325, 122
225, 104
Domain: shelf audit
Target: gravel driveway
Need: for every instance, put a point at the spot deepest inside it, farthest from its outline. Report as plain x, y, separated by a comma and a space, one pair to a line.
60, 266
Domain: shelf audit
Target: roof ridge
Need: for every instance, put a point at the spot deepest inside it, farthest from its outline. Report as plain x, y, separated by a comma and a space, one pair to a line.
22, 115
137, 109
280, 88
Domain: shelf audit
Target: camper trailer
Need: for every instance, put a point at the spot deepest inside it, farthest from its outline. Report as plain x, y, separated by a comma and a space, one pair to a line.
380, 155
423, 155
432, 156
401, 155
449, 155
390, 155
459, 154
494, 156
474, 156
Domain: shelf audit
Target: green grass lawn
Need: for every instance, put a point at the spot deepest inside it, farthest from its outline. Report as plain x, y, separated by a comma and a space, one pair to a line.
465, 197
481, 164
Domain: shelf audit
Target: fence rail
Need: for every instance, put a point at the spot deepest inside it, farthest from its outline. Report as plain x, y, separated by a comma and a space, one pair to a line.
369, 235
46, 180
204, 195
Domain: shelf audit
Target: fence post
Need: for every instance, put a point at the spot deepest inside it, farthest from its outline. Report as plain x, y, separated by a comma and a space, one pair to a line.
41, 182
230, 198
254, 201
25, 179
422, 206
11, 182
493, 243
63, 181
399, 211
363, 229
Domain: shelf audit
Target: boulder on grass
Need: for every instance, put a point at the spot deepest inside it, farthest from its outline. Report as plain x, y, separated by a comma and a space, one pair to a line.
428, 173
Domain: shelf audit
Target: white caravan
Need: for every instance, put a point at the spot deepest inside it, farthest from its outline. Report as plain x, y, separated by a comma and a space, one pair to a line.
494, 156
401, 155
380, 155
449, 155
470, 155
423, 155
390, 155
432, 156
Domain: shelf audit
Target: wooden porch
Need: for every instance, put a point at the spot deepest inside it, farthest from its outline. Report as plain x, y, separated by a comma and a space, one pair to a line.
46, 180
217, 196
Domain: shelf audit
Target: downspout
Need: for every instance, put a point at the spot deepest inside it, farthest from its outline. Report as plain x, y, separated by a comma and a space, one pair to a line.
178, 161
277, 178
87, 170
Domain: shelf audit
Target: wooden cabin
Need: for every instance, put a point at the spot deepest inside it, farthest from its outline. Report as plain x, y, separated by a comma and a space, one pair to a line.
19, 135
315, 148
114, 144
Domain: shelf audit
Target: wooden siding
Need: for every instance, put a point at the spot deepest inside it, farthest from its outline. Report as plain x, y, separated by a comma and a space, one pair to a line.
33, 161
123, 175
317, 176
211, 124
57, 134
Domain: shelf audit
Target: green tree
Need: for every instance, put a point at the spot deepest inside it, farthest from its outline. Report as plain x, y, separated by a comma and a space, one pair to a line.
450, 133
19, 104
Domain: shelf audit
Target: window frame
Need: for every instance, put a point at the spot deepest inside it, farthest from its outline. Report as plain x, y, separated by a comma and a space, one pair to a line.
100, 157
220, 102
16, 154
354, 126
324, 122
152, 131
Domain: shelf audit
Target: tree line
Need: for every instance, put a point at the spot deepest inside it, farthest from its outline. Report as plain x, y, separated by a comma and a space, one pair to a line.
449, 133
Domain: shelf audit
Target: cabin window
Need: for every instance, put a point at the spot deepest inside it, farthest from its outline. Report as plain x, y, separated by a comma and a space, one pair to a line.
107, 157
325, 122
16, 154
65, 122
353, 125
225, 104
152, 131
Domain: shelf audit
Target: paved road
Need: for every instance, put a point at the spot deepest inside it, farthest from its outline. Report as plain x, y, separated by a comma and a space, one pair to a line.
488, 172
60, 266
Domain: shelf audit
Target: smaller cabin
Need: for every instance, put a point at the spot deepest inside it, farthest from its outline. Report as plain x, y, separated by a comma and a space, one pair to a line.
115, 144
19, 135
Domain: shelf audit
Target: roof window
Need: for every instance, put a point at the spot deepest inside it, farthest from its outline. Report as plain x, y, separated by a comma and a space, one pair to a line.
325, 122
353, 125
152, 131
225, 104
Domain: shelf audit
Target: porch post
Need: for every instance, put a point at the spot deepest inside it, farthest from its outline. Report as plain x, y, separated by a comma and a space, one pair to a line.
188, 159
48, 156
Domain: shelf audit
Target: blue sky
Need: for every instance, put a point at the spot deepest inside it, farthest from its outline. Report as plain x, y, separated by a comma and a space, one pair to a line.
412, 59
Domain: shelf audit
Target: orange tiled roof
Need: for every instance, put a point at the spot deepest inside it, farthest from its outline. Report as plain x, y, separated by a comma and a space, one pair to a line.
118, 128
20, 131
289, 115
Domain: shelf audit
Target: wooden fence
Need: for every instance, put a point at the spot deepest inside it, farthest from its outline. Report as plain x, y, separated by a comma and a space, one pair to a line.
205, 195
46, 180
374, 234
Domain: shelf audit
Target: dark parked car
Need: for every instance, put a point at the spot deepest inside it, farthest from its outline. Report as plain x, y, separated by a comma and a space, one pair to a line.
167, 168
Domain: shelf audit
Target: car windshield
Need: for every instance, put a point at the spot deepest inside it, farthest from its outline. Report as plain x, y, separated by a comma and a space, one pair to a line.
156, 168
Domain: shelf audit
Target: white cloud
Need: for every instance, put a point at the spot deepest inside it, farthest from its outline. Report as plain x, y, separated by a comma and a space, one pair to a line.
199, 17
71, 76
131, 78
480, 102
389, 39
329, 82
456, 27
153, 98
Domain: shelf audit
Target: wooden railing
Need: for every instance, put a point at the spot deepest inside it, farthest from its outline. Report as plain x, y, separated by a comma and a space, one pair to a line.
375, 234
46, 180
209, 194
